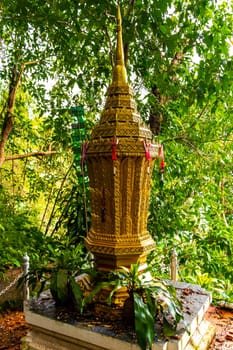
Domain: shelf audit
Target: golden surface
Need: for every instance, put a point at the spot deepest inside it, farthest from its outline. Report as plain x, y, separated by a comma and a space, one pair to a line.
120, 175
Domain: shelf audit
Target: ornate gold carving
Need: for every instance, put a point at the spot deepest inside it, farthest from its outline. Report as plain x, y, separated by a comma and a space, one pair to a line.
120, 116
120, 102
119, 182
124, 89
118, 130
125, 148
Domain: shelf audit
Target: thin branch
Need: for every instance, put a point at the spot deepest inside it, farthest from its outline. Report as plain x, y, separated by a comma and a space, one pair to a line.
30, 154
110, 45
199, 116
184, 138
224, 139
222, 189
32, 62
178, 137
179, 55
177, 59
131, 7
194, 147
18, 79
21, 72
56, 199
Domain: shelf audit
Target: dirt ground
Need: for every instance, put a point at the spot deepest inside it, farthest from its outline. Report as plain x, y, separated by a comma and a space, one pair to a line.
223, 320
13, 327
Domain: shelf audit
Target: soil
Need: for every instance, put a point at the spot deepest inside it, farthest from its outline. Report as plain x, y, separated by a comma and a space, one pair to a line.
223, 320
13, 327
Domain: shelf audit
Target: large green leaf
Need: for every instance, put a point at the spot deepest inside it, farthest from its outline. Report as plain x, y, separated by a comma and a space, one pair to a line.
144, 323
77, 294
62, 286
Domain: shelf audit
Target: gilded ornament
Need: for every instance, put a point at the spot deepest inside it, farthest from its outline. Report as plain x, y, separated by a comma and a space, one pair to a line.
120, 159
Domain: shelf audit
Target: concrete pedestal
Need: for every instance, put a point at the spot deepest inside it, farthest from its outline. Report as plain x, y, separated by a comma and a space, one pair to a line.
51, 334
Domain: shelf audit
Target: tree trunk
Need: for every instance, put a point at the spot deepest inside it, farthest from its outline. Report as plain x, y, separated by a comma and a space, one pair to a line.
9, 118
8, 121
156, 117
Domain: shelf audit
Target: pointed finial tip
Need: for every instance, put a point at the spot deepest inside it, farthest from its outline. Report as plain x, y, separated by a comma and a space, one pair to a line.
119, 14
119, 71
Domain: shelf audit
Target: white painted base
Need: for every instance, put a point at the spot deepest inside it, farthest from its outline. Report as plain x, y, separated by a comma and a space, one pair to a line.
49, 334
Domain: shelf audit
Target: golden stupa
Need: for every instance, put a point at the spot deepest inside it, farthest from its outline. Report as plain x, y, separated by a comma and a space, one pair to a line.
120, 159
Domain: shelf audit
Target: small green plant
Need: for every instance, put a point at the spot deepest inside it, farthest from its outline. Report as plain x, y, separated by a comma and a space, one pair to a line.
65, 290
58, 273
148, 299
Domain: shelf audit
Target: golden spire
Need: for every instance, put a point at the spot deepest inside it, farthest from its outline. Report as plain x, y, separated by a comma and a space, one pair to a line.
119, 70
120, 159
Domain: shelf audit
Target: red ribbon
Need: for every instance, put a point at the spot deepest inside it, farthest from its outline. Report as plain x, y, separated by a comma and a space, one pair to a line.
114, 148
161, 156
147, 149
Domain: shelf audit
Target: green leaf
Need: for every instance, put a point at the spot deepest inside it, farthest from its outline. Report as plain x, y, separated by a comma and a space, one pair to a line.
77, 294
152, 305
62, 285
168, 329
144, 323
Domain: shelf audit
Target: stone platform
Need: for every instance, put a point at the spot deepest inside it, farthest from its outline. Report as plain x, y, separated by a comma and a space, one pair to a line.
49, 331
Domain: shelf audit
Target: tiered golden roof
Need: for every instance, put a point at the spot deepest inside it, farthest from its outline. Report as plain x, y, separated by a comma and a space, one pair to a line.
120, 118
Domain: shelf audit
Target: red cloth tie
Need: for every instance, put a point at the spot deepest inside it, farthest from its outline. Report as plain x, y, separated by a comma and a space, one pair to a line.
161, 156
147, 149
114, 148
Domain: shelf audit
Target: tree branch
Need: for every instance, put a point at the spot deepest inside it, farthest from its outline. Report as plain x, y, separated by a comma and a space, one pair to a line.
196, 149
156, 117
111, 55
178, 137
10, 105
30, 154
183, 137
199, 116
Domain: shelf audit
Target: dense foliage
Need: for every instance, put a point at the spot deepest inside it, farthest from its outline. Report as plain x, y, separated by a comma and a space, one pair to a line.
55, 54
